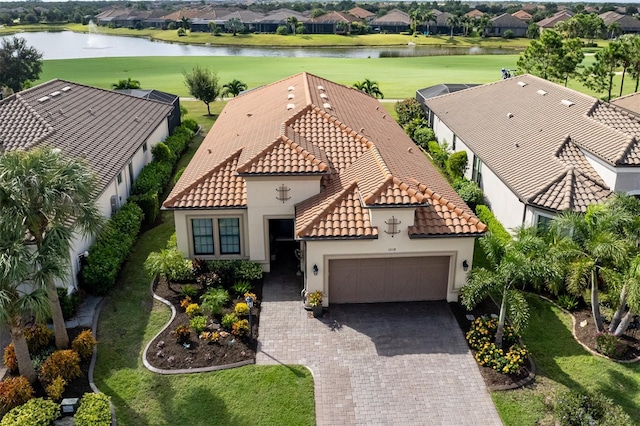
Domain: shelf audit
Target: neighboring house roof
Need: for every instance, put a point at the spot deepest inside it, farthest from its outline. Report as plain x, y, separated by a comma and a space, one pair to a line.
522, 15
507, 21
630, 102
590, 9
626, 22
442, 18
551, 21
103, 127
475, 13
393, 17
280, 16
335, 17
245, 16
361, 13
306, 125
520, 128
442, 89
154, 95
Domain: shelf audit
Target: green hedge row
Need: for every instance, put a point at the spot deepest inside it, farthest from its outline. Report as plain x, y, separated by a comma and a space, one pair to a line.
494, 226
110, 250
35, 412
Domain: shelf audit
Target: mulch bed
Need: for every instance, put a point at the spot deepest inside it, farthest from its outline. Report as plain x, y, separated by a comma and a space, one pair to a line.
165, 353
585, 331
492, 378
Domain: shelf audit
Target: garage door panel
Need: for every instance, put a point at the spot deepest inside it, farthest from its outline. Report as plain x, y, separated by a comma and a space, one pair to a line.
396, 279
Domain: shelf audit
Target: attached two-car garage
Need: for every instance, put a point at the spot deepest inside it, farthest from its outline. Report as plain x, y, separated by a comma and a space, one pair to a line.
389, 279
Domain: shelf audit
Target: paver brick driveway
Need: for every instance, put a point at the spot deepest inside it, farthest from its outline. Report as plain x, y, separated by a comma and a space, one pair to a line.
382, 364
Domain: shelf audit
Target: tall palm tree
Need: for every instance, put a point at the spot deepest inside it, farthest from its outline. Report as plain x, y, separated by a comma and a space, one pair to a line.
126, 84
483, 23
467, 23
17, 297
49, 195
417, 16
370, 88
452, 22
592, 248
292, 21
512, 264
233, 88
429, 16
185, 23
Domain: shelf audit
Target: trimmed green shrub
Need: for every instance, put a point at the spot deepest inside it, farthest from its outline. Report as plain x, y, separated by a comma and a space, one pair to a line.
152, 178
228, 320
198, 323
247, 270
162, 153
68, 302
282, 30
111, 248
493, 225
422, 136
408, 110
439, 154
94, 410
470, 192
36, 412
190, 124
576, 409
457, 164
150, 206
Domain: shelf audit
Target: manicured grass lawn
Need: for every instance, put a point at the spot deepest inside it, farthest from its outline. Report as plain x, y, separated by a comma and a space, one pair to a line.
398, 78
247, 395
563, 363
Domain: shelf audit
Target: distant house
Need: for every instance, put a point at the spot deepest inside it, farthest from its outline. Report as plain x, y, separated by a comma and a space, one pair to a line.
552, 21
270, 22
441, 26
247, 17
628, 24
537, 148
395, 21
362, 14
174, 119
331, 23
439, 89
113, 132
475, 13
310, 165
506, 22
522, 15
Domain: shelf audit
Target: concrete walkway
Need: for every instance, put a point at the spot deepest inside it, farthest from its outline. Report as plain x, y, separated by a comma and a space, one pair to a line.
385, 364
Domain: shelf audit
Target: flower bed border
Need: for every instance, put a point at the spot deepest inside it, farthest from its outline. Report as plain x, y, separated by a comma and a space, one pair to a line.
575, 336
182, 370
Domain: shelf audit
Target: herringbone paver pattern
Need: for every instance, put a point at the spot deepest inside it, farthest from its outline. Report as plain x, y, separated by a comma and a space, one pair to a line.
384, 364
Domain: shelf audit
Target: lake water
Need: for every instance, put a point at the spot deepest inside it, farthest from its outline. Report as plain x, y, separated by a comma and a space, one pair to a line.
70, 45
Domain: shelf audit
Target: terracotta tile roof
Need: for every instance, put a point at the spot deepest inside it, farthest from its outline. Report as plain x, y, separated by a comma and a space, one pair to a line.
475, 13
361, 13
308, 125
103, 127
507, 21
522, 15
553, 20
519, 128
440, 219
334, 17
393, 17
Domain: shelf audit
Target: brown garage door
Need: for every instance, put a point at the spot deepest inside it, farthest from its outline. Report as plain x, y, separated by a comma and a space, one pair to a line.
396, 279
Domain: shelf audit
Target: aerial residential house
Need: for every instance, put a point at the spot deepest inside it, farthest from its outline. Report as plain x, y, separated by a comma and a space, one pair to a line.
506, 22
475, 13
247, 17
331, 23
270, 22
522, 15
362, 14
395, 21
537, 148
308, 164
113, 132
441, 24
628, 24
552, 21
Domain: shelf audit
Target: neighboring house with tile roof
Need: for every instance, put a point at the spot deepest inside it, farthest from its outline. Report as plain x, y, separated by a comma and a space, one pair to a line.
475, 13
538, 148
506, 22
270, 22
310, 164
628, 24
113, 132
630, 102
522, 15
331, 23
395, 21
553, 20
362, 14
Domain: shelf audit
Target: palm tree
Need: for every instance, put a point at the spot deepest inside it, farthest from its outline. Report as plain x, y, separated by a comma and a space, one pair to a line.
614, 29
429, 16
233, 88
417, 16
49, 195
234, 25
370, 88
467, 23
483, 23
591, 247
126, 84
18, 299
512, 263
452, 22
185, 23
292, 21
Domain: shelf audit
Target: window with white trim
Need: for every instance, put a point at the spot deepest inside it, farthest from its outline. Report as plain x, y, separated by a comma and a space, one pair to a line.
229, 230
202, 236
476, 172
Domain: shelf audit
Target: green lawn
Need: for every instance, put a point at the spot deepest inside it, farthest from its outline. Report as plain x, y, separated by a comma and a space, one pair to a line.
563, 363
247, 395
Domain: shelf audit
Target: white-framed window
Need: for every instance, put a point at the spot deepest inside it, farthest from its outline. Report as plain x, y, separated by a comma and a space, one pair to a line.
119, 178
202, 236
145, 147
229, 230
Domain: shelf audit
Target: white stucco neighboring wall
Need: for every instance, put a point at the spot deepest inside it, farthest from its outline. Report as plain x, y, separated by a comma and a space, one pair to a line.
263, 204
319, 252
606, 171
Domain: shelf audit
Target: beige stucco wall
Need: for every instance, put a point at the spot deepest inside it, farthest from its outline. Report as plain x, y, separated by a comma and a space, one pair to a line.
320, 252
